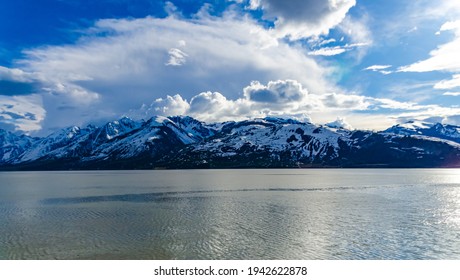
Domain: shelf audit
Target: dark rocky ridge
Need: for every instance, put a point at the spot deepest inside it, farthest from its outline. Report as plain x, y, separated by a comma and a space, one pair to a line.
183, 142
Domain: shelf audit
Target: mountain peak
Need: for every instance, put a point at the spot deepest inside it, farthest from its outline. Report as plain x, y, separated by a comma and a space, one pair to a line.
185, 142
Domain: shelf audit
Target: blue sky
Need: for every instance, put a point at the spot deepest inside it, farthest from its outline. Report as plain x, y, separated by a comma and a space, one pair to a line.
369, 64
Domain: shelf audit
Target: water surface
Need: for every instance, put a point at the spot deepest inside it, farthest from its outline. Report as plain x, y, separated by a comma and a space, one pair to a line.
231, 214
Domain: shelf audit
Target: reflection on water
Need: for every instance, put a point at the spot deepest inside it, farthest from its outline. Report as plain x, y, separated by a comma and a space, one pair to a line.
231, 214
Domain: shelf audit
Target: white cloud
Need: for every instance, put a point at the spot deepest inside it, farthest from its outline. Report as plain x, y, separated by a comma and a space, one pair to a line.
358, 33
345, 101
386, 103
330, 51
176, 57
326, 42
21, 113
444, 58
433, 113
171, 9
277, 98
213, 106
288, 98
120, 63
284, 98
357, 30
438, 9
413, 29
15, 74
169, 106
449, 84
377, 67
450, 93
380, 69
340, 123
336, 50
275, 92
450, 25
304, 18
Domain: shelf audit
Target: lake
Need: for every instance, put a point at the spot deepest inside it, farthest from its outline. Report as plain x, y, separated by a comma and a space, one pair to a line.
231, 214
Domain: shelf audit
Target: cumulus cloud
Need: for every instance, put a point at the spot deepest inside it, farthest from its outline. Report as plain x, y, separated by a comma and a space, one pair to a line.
288, 98
298, 19
275, 92
169, 106
211, 62
340, 123
120, 63
283, 98
213, 106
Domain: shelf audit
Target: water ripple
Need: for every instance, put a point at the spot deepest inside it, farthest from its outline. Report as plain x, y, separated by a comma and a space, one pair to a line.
166, 196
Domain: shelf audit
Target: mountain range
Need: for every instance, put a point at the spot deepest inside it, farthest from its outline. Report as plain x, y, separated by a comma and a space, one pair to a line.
184, 142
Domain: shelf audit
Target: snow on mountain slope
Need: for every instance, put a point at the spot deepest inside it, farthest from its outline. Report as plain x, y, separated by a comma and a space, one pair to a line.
156, 135
450, 132
409, 128
116, 128
441, 131
276, 137
184, 142
195, 129
12, 145
57, 145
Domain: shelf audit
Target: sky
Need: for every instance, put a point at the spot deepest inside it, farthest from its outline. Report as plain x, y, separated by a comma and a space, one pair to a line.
366, 64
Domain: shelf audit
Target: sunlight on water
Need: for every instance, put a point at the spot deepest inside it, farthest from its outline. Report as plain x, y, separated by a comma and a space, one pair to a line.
231, 214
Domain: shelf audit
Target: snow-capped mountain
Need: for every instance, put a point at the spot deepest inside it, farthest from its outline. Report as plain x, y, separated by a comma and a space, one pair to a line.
184, 142
436, 130
12, 146
265, 142
60, 144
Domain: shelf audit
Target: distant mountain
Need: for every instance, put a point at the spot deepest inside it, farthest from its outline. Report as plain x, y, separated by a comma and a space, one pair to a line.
437, 130
184, 142
13, 146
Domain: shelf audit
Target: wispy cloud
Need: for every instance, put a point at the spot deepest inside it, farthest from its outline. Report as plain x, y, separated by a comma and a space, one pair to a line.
380, 69
330, 51
450, 93
377, 67
454, 82
444, 58
176, 57
336, 50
